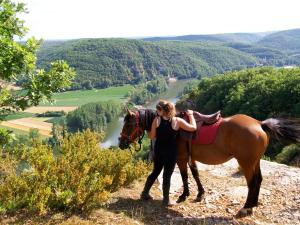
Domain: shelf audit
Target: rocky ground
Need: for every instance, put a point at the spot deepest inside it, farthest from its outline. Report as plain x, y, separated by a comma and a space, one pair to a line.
226, 192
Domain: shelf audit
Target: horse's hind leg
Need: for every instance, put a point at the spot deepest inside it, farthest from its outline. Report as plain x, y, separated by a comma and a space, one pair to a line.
182, 164
194, 169
254, 179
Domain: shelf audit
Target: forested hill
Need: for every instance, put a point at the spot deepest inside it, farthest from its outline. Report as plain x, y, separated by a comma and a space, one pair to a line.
107, 62
271, 48
233, 37
288, 40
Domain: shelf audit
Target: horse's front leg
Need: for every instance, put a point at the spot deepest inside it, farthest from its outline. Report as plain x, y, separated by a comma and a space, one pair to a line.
194, 169
182, 165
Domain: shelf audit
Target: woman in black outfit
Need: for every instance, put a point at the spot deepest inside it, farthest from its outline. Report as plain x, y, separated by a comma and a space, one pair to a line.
164, 130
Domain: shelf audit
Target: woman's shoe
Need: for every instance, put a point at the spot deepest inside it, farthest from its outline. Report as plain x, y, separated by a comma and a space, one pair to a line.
146, 196
167, 202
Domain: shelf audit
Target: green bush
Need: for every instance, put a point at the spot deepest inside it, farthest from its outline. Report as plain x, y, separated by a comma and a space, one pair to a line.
51, 114
287, 154
94, 116
80, 177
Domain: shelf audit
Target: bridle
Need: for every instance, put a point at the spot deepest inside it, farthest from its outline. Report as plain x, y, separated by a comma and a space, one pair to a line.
138, 131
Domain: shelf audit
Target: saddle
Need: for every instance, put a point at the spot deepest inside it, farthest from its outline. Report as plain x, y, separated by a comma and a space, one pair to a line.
201, 119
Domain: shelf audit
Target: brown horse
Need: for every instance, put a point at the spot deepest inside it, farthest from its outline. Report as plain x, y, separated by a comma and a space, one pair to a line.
238, 136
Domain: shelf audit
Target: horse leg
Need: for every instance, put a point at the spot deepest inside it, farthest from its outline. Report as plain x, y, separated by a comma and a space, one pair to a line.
194, 169
184, 176
254, 179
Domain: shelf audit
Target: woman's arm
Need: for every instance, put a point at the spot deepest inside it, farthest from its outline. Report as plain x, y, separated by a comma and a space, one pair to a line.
152, 132
185, 125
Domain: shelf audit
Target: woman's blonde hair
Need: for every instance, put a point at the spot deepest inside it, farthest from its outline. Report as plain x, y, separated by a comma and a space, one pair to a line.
167, 107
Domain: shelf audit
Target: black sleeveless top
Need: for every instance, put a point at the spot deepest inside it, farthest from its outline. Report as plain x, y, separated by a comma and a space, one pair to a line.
165, 137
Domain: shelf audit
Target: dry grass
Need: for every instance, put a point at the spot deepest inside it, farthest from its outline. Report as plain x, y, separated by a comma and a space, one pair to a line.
27, 123
42, 109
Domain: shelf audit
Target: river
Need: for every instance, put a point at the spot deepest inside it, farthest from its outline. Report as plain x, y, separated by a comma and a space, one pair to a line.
114, 128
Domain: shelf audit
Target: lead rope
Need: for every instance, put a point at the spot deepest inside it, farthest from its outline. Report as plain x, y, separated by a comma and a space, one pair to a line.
140, 140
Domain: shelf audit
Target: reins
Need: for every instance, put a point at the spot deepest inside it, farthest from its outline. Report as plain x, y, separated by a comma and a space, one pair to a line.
138, 129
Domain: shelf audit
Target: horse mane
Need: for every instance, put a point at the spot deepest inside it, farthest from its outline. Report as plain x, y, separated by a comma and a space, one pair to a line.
146, 118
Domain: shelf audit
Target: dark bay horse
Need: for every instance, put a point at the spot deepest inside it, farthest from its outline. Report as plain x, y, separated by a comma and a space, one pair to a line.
238, 136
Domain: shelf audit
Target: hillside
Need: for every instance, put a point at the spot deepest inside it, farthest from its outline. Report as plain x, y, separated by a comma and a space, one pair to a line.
265, 55
110, 62
225, 194
271, 48
103, 63
230, 37
288, 40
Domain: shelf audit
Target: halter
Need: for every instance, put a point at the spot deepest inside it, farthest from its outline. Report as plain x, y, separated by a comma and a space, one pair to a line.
138, 129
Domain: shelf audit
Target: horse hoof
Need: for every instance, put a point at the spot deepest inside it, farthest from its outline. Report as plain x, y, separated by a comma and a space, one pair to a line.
244, 212
181, 199
199, 198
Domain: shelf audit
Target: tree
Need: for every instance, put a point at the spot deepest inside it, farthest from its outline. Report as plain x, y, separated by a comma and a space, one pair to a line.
18, 62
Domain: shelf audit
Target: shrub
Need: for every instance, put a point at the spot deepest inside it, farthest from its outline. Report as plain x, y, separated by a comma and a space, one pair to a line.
287, 154
51, 114
94, 116
80, 177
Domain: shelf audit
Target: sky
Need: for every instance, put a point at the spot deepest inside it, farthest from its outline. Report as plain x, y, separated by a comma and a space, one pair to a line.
72, 19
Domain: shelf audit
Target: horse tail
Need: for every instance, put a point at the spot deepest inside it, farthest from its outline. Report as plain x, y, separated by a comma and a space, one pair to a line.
282, 129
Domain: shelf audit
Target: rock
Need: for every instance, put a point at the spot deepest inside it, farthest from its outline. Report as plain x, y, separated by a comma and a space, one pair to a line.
229, 211
235, 202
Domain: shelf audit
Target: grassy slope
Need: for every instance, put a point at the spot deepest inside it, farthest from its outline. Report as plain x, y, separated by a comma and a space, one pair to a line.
18, 115
78, 98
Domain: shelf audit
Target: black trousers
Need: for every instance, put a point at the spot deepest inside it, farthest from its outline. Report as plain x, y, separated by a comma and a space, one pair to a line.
166, 161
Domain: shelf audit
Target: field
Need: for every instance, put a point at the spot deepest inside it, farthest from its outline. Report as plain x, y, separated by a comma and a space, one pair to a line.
42, 109
78, 98
65, 101
26, 124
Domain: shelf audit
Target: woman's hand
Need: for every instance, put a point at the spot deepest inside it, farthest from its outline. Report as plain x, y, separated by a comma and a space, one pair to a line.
189, 112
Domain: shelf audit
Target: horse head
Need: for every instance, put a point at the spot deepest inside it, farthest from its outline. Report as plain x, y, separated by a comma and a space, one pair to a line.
135, 123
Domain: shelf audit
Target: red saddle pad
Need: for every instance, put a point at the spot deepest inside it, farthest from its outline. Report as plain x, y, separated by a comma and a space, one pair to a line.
206, 134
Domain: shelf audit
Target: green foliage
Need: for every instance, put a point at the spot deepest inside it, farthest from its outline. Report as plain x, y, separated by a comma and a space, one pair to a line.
15, 115
288, 40
266, 55
51, 114
81, 97
94, 116
18, 63
231, 37
147, 91
189, 87
6, 136
80, 177
287, 154
260, 93
102, 63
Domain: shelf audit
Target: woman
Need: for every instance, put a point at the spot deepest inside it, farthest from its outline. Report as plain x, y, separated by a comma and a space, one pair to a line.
164, 130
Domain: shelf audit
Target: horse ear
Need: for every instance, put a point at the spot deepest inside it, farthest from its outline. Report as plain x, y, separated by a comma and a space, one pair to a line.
129, 112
